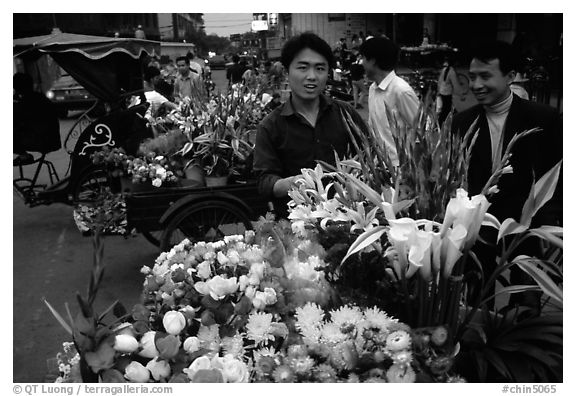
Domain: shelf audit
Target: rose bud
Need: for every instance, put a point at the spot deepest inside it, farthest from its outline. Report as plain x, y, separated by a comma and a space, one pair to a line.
160, 369
174, 322
125, 343
191, 344
147, 344
168, 346
135, 372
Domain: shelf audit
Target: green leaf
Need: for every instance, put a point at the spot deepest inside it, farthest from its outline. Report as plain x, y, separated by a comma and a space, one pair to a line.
365, 240
540, 193
548, 235
512, 290
58, 317
509, 227
544, 281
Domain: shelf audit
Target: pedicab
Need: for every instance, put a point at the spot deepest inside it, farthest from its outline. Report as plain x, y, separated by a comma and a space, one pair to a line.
111, 69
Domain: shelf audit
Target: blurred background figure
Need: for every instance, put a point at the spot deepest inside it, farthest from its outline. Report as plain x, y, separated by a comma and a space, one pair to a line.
447, 84
35, 124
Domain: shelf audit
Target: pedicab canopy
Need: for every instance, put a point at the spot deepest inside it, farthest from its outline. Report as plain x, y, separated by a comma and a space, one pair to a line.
105, 66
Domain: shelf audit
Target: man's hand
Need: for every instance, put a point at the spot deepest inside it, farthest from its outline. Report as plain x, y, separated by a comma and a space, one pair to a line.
282, 186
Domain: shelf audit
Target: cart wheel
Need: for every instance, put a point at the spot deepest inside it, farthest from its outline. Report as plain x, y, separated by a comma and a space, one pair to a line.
204, 221
154, 237
90, 185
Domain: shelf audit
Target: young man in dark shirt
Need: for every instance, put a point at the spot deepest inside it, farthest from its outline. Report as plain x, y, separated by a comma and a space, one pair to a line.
307, 127
234, 72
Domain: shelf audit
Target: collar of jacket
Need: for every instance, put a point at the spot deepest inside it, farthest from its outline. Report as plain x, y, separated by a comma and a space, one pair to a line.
288, 109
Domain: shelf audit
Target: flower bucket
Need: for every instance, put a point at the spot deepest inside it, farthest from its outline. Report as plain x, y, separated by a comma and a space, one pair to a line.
216, 181
195, 173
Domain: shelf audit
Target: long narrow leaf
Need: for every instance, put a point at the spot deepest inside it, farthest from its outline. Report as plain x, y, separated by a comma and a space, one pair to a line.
59, 318
365, 240
544, 281
509, 227
540, 193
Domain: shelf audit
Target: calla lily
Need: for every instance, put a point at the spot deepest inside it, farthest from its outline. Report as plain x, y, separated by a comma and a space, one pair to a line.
468, 212
451, 248
420, 256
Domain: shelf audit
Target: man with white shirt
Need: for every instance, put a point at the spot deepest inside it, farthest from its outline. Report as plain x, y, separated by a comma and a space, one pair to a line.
388, 92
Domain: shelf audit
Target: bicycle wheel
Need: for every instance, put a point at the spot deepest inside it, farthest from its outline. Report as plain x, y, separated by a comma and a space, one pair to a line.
154, 237
90, 185
204, 221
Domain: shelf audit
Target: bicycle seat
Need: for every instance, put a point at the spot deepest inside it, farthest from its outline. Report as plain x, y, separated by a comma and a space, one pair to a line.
24, 159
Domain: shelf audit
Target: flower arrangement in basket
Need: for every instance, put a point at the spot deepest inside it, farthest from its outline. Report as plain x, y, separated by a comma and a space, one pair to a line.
220, 131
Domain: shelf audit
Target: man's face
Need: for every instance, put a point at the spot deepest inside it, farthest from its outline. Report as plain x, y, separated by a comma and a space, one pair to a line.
183, 68
489, 85
308, 74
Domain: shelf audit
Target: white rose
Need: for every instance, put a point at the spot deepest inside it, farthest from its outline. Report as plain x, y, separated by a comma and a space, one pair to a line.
254, 280
203, 270
270, 296
125, 343
258, 269
174, 322
148, 346
156, 182
243, 282
159, 369
135, 372
220, 287
234, 370
124, 328
222, 259
234, 257
250, 292
201, 363
259, 300
191, 344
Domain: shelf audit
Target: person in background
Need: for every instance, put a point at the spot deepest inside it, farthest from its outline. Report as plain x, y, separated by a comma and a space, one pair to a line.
139, 33
196, 64
157, 101
235, 72
35, 124
359, 91
186, 82
307, 127
388, 92
447, 84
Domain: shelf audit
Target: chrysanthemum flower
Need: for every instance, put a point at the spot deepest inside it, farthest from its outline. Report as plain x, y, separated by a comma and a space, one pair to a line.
258, 327
378, 319
325, 373
310, 315
397, 373
346, 316
402, 357
284, 374
233, 346
208, 335
331, 333
398, 340
302, 365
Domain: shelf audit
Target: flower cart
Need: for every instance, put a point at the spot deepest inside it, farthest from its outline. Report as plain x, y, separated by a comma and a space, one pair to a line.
167, 215
110, 69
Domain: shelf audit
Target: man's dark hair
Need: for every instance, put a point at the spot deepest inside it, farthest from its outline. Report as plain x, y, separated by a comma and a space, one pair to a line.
183, 58
235, 58
486, 51
303, 41
150, 72
382, 50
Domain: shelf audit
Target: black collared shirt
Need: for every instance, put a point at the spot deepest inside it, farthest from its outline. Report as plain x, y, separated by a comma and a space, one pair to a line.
286, 142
